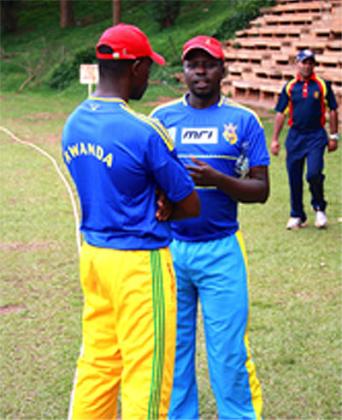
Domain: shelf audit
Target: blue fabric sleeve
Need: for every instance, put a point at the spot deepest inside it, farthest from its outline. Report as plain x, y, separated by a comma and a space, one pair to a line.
169, 173
257, 150
283, 101
331, 100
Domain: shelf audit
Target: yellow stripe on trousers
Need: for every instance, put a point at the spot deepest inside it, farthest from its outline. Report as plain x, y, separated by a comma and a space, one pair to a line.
254, 383
159, 336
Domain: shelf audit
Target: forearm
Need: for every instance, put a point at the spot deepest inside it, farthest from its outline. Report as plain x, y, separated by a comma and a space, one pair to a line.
247, 190
278, 125
189, 207
333, 121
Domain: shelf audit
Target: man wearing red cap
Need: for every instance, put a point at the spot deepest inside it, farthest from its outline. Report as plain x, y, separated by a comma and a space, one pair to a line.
223, 146
305, 99
118, 159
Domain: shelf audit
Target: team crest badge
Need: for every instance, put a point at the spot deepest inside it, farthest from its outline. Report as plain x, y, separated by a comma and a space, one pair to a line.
229, 133
316, 95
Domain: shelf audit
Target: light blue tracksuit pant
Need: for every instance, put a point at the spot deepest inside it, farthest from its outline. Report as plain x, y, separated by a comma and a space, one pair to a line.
214, 272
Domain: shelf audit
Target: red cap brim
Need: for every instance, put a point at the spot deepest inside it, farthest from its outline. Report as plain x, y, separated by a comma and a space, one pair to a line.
157, 58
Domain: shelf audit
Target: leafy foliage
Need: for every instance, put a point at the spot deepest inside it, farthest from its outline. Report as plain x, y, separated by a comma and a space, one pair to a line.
165, 12
67, 72
244, 12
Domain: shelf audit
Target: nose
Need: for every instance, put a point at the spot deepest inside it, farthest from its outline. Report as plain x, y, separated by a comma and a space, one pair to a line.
200, 68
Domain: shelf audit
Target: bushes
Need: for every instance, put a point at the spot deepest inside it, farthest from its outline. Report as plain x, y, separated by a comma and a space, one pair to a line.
244, 11
165, 12
67, 72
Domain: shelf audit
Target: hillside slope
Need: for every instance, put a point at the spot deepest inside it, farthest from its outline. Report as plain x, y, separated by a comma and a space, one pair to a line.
31, 56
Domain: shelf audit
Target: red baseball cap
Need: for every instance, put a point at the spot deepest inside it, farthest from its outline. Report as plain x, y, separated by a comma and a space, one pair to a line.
207, 43
128, 42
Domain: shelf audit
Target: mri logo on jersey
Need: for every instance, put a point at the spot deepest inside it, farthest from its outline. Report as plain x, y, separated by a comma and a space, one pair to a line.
199, 135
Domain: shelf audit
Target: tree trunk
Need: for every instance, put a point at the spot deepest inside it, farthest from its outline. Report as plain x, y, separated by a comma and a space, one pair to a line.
66, 14
116, 11
9, 17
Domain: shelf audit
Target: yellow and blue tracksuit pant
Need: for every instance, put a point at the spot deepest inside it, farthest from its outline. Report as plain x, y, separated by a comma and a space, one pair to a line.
129, 334
216, 273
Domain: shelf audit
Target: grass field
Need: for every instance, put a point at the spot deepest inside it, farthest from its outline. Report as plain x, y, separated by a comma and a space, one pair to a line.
295, 280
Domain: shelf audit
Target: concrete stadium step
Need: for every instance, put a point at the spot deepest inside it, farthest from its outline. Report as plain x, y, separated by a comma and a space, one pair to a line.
238, 56
272, 31
335, 45
293, 19
332, 75
298, 7
329, 60
257, 43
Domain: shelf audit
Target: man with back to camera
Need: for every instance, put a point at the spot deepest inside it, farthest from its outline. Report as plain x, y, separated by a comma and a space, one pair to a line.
223, 146
305, 98
118, 159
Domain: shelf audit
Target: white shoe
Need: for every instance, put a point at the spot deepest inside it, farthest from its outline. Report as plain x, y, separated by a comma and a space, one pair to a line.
295, 223
321, 220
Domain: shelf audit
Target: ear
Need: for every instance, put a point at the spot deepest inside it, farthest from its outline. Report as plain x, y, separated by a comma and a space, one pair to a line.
136, 67
224, 70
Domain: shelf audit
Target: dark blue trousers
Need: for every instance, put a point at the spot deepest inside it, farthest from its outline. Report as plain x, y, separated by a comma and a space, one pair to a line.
306, 147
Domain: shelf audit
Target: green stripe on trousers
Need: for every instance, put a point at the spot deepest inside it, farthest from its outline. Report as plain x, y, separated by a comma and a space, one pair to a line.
159, 335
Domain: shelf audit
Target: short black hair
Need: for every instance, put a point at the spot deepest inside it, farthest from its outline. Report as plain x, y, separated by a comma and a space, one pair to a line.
114, 67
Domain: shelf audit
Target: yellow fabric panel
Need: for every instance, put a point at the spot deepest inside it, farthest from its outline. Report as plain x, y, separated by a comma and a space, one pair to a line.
129, 333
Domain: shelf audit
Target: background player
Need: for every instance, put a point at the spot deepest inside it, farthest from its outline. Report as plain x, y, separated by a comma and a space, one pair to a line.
305, 98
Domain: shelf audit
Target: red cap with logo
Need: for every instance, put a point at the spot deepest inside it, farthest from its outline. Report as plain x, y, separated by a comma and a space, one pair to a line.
128, 42
207, 43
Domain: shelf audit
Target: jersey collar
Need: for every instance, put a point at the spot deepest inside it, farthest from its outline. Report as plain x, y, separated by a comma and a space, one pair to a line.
108, 99
299, 77
186, 103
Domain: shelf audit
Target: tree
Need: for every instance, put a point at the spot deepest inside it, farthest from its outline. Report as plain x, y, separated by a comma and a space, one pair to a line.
66, 14
9, 15
116, 11
165, 12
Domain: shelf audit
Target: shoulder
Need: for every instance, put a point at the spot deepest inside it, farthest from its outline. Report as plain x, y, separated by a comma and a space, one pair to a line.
151, 125
323, 84
241, 111
168, 106
289, 85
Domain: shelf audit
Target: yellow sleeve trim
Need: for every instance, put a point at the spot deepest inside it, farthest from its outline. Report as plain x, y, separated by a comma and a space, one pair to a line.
162, 106
156, 125
324, 85
237, 105
289, 85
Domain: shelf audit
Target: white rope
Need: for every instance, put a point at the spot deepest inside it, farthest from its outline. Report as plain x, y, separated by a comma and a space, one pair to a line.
60, 173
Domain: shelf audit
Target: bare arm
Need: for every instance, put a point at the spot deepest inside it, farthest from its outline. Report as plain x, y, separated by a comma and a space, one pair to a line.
253, 189
278, 125
333, 122
167, 210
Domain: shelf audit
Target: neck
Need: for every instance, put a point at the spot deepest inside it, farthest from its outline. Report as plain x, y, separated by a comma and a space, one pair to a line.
201, 103
108, 89
306, 78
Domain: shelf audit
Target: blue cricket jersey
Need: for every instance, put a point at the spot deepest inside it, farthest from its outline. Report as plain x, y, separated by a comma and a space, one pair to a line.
222, 135
117, 159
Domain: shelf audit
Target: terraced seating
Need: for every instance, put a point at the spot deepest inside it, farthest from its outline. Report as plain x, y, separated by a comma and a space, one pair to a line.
299, 7
262, 56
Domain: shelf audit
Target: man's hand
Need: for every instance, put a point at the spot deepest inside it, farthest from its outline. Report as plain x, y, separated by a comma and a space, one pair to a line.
275, 147
332, 145
202, 174
164, 207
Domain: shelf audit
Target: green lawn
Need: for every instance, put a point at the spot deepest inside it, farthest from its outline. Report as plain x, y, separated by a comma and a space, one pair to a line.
295, 289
